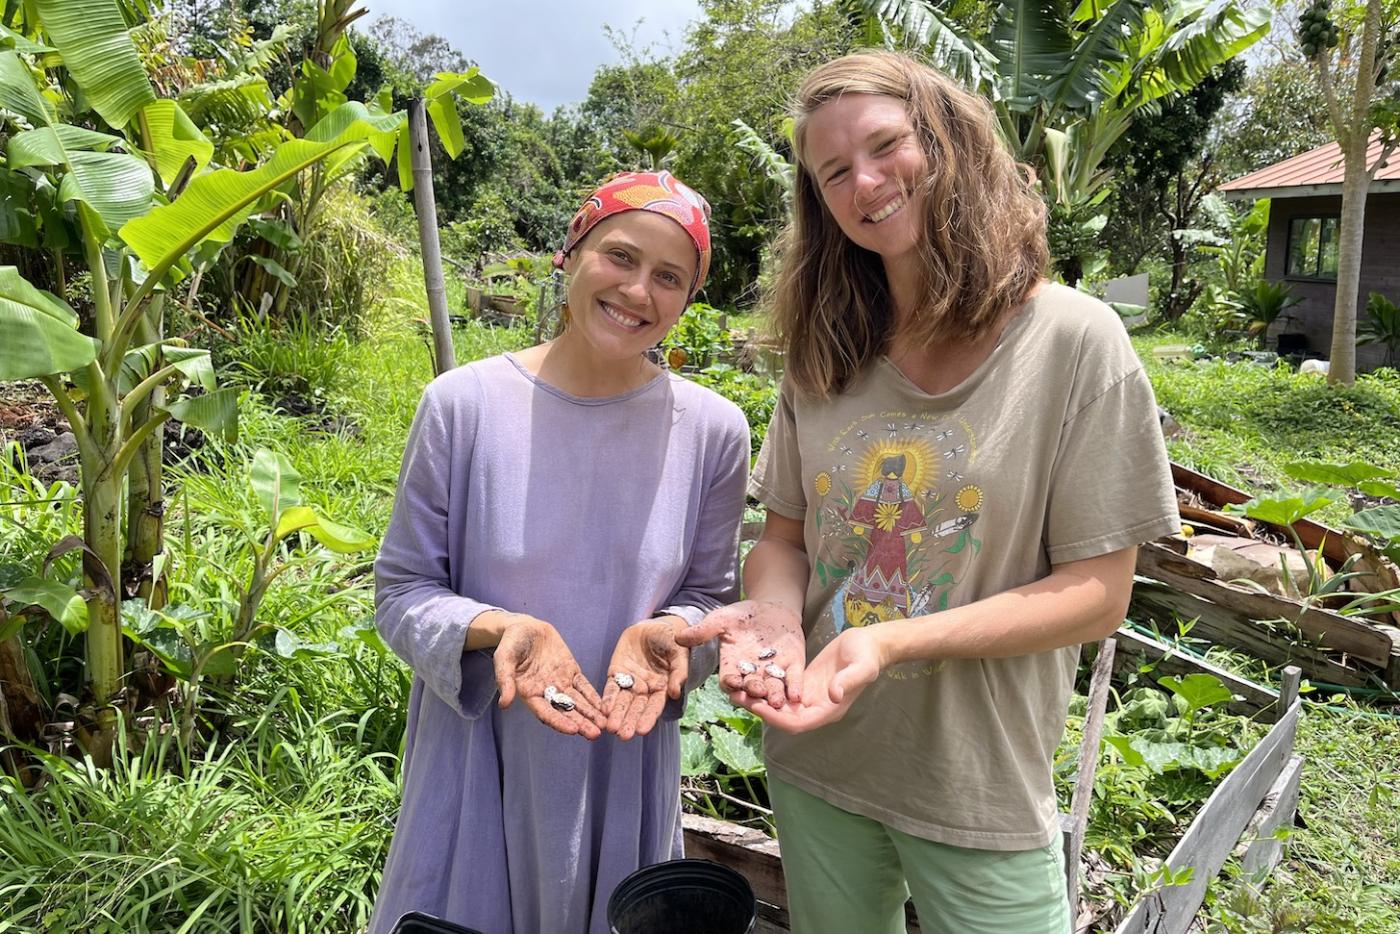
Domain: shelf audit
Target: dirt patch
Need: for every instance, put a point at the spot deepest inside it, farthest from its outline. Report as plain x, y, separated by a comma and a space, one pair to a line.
30, 417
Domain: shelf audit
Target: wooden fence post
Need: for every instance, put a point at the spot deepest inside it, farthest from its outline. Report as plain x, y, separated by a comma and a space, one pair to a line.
426, 205
1088, 765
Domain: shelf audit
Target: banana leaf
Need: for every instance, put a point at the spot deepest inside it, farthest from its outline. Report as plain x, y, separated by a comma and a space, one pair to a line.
97, 50
38, 331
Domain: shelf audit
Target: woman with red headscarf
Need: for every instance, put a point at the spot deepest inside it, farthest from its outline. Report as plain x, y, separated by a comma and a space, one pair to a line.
562, 513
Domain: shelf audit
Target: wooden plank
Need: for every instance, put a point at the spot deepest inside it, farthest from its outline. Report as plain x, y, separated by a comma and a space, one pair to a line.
1309, 532
1133, 648
1213, 834
1210, 518
771, 919
1225, 627
1288, 687
1279, 807
754, 854
1330, 630
1083, 794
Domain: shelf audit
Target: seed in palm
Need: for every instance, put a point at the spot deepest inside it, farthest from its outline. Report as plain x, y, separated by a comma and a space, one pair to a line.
775, 671
623, 680
767, 653
561, 701
747, 668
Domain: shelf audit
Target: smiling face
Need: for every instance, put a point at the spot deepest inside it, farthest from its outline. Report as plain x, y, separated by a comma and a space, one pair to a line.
628, 283
863, 154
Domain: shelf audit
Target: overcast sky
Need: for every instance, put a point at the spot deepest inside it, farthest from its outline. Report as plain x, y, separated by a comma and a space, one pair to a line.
545, 51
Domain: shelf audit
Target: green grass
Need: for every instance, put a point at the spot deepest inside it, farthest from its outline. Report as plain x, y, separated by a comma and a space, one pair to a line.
1243, 422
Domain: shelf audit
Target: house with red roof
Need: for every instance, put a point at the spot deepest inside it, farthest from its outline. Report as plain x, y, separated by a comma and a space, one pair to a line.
1306, 192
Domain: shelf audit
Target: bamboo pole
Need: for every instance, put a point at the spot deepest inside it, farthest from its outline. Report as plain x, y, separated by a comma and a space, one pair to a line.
426, 206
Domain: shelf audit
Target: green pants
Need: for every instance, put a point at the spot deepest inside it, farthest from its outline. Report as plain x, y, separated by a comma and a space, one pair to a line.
847, 873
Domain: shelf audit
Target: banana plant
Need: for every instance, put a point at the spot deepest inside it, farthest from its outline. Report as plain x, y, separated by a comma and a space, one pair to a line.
194, 646
145, 202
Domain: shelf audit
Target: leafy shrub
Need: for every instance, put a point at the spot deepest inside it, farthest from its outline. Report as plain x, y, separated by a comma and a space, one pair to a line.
756, 395
701, 334
299, 357
1381, 326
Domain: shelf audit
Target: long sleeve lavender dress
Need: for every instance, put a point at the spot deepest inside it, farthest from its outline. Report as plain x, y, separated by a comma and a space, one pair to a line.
592, 514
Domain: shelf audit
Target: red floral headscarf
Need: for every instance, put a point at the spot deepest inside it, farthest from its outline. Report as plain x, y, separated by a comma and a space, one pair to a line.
658, 192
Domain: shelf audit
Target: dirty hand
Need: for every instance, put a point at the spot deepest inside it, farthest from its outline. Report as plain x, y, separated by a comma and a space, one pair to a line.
841, 671
531, 657
762, 651
648, 654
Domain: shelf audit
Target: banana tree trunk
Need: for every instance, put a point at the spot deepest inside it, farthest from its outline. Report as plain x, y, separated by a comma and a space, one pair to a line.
102, 527
1355, 182
145, 511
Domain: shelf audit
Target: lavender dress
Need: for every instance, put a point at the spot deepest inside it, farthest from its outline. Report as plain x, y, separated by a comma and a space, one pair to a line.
588, 513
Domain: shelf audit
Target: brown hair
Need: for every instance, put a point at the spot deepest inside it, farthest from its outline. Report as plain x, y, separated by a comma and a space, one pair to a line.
983, 245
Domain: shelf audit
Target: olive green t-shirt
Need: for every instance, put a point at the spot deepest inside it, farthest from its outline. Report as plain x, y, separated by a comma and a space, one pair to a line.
1050, 452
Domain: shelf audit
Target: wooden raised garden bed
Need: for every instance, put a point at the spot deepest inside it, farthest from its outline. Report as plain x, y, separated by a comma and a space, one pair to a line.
1350, 651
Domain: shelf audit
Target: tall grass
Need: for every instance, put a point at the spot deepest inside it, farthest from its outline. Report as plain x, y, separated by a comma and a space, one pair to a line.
284, 830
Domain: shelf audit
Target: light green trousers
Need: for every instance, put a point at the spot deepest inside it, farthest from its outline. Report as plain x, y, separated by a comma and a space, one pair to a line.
848, 874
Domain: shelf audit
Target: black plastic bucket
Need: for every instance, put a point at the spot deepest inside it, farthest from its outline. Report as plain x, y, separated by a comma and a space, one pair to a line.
415, 922
683, 896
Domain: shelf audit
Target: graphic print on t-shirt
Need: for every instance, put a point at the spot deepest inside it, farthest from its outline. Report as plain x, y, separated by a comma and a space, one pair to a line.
895, 516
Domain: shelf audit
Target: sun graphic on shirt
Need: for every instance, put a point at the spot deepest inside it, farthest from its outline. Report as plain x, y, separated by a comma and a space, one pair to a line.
969, 498
822, 483
919, 461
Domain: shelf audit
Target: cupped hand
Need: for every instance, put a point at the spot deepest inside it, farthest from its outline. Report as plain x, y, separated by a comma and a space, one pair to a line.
647, 653
748, 631
531, 657
835, 678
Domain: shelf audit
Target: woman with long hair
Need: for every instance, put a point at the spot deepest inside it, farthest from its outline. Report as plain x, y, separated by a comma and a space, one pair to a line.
962, 461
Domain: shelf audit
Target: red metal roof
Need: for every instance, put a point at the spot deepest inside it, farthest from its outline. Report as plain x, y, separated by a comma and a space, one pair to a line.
1316, 172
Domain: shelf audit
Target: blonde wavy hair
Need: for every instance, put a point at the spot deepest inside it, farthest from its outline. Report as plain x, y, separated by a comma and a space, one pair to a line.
982, 250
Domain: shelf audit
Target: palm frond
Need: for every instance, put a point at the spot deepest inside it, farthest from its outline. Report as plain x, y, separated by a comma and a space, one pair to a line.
768, 159
928, 26
1031, 42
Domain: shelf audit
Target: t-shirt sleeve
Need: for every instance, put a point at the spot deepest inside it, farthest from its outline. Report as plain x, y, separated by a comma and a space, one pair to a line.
417, 612
777, 474
1112, 486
